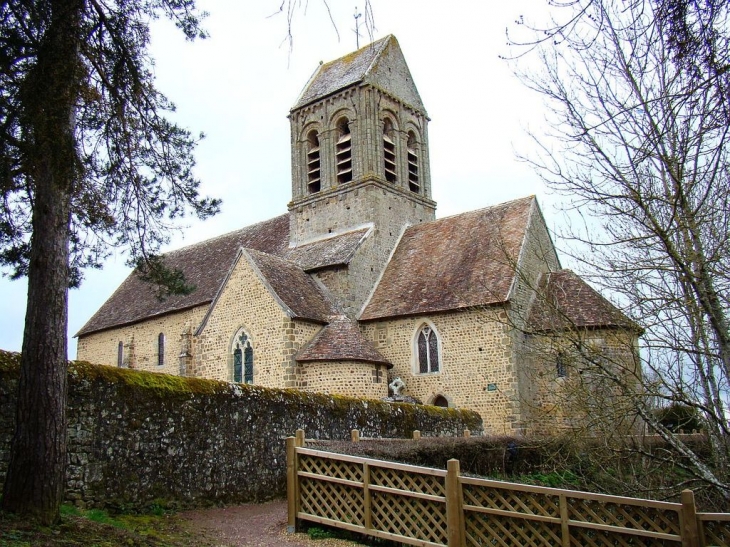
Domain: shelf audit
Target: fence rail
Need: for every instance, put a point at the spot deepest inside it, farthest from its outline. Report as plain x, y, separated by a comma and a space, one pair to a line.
441, 508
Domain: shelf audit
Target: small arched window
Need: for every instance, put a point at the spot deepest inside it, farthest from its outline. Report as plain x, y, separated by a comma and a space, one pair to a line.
120, 354
427, 348
561, 366
441, 401
314, 170
343, 151
242, 359
389, 151
413, 180
160, 349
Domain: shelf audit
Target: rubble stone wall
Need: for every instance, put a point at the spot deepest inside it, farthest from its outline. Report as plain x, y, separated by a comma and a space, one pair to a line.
137, 438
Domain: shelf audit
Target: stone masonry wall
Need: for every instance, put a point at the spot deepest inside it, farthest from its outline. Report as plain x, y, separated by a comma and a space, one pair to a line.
576, 397
140, 342
137, 437
244, 303
475, 351
355, 379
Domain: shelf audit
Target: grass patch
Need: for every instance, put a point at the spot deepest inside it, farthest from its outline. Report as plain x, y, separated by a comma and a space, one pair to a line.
97, 528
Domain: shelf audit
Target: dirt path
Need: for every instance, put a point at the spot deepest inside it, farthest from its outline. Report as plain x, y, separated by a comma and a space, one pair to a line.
255, 525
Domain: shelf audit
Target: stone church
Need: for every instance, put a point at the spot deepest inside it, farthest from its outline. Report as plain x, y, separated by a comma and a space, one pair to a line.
359, 283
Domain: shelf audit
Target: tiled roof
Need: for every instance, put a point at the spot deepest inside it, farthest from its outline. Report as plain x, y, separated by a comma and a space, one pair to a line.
342, 72
456, 262
564, 300
295, 289
333, 251
205, 266
341, 340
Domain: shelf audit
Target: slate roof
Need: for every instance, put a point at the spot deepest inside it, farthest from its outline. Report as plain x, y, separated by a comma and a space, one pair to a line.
341, 340
205, 266
294, 288
565, 301
333, 251
456, 262
341, 73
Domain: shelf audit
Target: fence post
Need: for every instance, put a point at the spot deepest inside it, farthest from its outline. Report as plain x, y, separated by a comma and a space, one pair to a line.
300, 437
368, 516
688, 520
355, 436
416, 435
564, 526
467, 433
454, 505
291, 484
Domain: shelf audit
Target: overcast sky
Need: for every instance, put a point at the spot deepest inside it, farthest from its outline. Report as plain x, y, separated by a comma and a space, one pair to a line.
238, 86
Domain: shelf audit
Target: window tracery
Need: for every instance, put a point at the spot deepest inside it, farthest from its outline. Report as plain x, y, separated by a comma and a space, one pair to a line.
242, 359
427, 350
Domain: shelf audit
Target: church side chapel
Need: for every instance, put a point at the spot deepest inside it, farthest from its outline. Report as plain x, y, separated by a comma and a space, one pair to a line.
359, 285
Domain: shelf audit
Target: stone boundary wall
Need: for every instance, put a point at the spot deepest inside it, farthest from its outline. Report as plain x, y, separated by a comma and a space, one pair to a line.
138, 437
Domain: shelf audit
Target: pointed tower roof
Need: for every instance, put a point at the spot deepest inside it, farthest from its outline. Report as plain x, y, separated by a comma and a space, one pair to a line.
380, 64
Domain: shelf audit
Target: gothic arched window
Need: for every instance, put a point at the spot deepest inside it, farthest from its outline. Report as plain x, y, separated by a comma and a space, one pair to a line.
413, 182
343, 151
314, 169
389, 151
160, 349
242, 359
427, 350
120, 354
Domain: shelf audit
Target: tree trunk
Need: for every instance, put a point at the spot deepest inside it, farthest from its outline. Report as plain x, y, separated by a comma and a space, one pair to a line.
36, 472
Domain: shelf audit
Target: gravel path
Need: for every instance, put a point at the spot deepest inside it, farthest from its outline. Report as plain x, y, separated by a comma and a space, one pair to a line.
255, 524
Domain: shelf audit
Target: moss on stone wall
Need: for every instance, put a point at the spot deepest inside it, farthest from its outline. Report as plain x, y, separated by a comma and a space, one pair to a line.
137, 436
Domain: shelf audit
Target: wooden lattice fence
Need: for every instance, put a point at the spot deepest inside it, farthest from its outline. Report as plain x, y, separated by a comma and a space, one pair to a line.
439, 508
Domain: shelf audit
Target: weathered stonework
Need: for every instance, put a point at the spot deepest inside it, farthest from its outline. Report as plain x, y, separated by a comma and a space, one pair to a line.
475, 351
364, 380
137, 438
140, 343
567, 388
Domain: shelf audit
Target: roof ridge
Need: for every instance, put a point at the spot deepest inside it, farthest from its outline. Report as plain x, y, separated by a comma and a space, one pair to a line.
222, 236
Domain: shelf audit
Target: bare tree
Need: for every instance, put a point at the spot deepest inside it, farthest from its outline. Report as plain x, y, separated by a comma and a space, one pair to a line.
637, 101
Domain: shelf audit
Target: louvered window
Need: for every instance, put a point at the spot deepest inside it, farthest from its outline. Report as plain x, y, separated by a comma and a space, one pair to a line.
389, 152
314, 171
428, 354
343, 152
413, 181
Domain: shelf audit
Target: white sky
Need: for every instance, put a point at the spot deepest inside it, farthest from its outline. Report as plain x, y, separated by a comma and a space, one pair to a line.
238, 85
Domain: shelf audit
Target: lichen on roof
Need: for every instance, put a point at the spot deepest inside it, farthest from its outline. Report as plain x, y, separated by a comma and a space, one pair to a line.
342, 72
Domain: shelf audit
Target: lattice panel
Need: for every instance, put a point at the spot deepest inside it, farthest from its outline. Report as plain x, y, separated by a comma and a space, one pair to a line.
582, 537
627, 516
410, 517
411, 482
508, 500
484, 529
331, 468
331, 500
717, 532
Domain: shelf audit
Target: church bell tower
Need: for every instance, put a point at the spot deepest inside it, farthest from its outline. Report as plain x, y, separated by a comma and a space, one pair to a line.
359, 145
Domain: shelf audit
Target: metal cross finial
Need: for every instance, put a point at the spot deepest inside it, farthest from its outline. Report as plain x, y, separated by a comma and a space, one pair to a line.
357, 27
